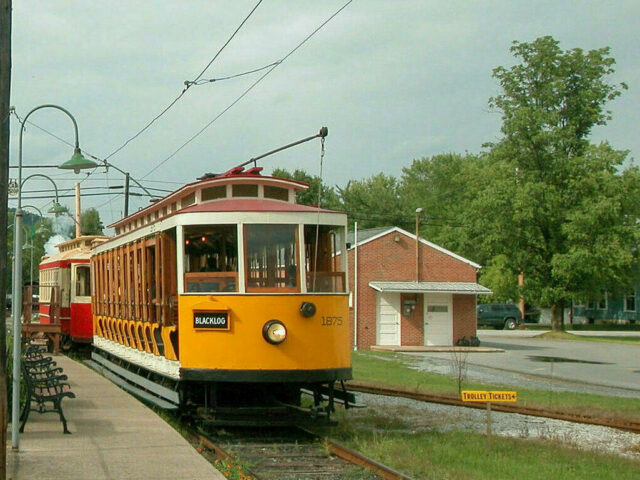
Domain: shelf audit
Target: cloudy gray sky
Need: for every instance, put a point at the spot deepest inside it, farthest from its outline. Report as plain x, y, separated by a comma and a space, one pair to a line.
393, 81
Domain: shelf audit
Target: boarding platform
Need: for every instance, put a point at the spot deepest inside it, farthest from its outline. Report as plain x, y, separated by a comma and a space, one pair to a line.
113, 436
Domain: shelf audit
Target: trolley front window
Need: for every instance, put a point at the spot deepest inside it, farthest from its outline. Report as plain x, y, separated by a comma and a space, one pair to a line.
323, 262
271, 258
211, 258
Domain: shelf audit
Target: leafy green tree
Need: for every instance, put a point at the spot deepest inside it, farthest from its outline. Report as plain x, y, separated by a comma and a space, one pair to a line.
502, 280
90, 223
565, 212
328, 196
443, 186
376, 202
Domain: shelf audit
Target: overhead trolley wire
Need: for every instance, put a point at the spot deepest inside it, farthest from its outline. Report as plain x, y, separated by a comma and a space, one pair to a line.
274, 65
187, 84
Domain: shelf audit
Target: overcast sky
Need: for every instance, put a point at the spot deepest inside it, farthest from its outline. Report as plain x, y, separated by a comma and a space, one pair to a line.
392, 80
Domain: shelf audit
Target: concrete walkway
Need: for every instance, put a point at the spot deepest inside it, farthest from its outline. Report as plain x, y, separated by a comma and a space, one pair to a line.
114, 436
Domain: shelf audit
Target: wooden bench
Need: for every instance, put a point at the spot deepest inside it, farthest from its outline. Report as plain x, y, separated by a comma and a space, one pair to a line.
44, 383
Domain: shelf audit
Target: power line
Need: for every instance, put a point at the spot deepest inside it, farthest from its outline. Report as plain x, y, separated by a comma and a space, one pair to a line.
58, 138
103, 161
84, 195
188, 84
211, 80
50, 190
275, 65
228, 41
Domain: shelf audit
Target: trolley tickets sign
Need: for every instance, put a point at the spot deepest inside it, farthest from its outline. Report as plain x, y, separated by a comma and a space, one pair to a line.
211, 320
488, 396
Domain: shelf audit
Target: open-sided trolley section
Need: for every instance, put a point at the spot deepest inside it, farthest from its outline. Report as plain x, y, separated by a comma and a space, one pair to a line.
229, 289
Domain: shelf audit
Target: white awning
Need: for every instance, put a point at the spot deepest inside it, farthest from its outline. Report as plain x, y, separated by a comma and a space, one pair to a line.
460, 288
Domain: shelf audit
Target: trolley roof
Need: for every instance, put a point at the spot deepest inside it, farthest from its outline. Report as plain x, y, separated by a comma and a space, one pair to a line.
74, 249
235, 190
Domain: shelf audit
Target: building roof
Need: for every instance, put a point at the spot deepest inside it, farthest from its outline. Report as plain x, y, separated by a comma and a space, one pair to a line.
371, 234
366, 234
460, 288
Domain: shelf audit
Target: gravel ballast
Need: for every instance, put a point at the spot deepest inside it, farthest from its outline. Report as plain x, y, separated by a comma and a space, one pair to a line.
414, 416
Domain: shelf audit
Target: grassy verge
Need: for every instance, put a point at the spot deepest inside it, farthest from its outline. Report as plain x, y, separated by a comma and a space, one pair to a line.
465, 456
582, 338
394, 369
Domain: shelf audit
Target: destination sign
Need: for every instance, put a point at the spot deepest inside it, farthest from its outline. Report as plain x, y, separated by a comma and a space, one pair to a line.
488, 396
213, 320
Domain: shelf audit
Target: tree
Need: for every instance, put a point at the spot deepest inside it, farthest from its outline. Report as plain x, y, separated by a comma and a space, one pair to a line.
563, 210
328, 197
90, 223
443, 186
376, 202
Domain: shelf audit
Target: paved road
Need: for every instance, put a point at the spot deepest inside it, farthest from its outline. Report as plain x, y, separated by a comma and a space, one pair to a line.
590, 367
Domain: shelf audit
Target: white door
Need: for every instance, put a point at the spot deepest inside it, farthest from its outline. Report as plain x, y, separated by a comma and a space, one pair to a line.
438, 320
388, 331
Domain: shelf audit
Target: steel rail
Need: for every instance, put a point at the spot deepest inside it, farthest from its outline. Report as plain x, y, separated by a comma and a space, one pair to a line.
367, 463
362, 387
340, 451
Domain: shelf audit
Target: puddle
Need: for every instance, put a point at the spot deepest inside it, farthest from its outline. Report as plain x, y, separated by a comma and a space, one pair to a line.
540, 358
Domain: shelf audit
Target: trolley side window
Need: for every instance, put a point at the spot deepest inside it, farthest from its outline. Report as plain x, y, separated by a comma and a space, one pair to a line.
323, 262
211, 258
83, 281
271, 258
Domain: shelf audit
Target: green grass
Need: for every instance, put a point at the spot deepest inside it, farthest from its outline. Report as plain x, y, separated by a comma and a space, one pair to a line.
581, 338
394, 369
466, 456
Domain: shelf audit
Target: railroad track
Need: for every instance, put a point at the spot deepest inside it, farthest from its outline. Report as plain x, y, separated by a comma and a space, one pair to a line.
293, 453
627, 425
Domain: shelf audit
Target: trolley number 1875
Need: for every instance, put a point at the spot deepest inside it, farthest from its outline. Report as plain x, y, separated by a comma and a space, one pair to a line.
331, 321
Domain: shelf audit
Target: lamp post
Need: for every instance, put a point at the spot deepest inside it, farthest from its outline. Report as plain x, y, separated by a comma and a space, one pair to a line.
76, 163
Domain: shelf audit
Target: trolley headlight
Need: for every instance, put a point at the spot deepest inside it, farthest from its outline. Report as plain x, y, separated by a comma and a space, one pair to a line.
274, 332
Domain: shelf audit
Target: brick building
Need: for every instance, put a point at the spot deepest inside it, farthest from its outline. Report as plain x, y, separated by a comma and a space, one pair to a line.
409, 296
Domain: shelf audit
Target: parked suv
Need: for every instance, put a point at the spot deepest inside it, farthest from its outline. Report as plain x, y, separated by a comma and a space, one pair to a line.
499, 315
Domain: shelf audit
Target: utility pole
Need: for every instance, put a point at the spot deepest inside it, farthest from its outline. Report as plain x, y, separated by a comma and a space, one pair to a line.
78, 212
5, 114
126, 194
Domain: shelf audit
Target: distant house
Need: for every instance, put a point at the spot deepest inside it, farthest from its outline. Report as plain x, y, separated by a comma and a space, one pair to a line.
408, 296
619, 308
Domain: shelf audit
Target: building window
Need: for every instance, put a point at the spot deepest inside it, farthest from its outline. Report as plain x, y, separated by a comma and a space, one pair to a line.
602, 303
630, 302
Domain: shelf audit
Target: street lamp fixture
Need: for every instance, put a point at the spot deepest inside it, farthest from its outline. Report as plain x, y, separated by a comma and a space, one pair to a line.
76, 163
57, 209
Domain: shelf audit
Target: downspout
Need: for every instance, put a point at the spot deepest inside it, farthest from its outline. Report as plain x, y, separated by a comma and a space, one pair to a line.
355, 286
